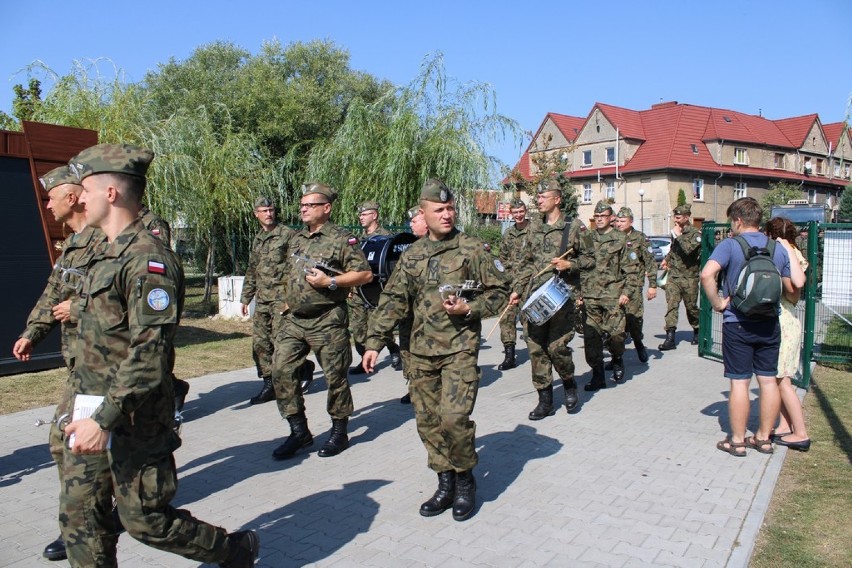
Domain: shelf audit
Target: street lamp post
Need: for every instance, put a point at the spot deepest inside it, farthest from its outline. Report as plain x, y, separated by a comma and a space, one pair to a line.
642, 208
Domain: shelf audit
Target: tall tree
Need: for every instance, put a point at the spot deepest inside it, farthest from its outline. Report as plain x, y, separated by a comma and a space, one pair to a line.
779, 194
844, 211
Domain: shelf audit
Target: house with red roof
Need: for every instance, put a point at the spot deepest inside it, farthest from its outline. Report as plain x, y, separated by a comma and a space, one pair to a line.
642, 158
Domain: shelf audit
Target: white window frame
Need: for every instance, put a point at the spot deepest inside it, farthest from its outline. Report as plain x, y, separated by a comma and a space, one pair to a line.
820, 166
610, 190
587, 193
836, 168
783, 160
740, 190
587, 154
741, 156
606, 154
698, 189
847, 171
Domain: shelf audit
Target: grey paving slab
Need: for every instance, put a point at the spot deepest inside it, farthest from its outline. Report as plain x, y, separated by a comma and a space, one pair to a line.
630, 479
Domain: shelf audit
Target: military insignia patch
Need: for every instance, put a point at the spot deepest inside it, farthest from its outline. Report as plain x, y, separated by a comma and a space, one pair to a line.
443, 195
156, 267
352, 240
486, 246
155, 232
632, 255
158, 299
629, 243
698, 239
498, 265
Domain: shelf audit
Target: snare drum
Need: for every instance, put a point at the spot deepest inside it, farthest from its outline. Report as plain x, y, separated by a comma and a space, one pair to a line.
382, 252
546, 301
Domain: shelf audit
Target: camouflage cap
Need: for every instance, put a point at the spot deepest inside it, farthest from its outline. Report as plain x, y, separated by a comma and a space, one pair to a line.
413, 212
368, 206
602, 206
313, 187
113, 159
684, 209
436, 191
550, 185
624, 212
517, 204
263, 202
58, 176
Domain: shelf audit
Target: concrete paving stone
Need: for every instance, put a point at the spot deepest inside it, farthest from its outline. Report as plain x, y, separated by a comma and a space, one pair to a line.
604, 558
459, 551
663, 530
711, 518
425, 556
666, 558
643, 553
671, 545
702, 536
711, 556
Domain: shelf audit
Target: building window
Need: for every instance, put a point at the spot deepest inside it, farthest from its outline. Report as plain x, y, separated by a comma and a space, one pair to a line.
837, 169
587, 157
820, 164
695, 148
779, 161
812, 196
847, 171
698, 189
610, 155
740, 190
610, 190
808, 166
587, 193
740, 156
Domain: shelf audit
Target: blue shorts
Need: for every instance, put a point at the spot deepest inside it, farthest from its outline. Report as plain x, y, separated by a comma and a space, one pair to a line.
751, 348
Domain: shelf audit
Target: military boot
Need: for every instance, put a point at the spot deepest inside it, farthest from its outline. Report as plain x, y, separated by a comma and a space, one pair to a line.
181, 389
243, 548
396, 359
618, 370
465, 501
598, 381
569, 385
641, 352
266, 394
300, 437
694, 337
306, 375
669, 342
55, 550
509, 359
359, 368
337, 441
443, 497
544, 408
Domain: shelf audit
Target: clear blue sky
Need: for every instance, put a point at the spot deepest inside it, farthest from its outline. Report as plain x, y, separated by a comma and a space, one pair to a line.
778, 57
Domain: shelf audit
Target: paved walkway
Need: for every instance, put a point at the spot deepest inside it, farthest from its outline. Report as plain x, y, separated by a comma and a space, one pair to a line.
631, 479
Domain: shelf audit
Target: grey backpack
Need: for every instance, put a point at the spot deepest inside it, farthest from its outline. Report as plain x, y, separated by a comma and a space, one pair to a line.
758, 285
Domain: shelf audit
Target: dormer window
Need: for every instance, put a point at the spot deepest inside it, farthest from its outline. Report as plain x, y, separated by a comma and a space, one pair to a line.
695, 148
610, 155
741, 156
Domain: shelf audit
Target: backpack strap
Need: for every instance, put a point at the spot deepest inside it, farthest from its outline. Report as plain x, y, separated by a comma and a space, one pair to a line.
748, 252
563, 246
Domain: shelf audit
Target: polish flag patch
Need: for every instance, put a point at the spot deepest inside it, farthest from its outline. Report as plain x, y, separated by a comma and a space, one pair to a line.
156, 267
155, 232
352, 240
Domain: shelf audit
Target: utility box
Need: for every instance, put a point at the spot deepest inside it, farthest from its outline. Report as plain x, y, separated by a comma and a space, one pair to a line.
230, 290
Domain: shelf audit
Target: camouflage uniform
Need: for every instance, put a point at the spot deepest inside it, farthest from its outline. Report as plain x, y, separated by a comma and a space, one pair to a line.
265, 282
638, 264
548, 342
317, 320
157, 225
443, 349
512, 248
683, 262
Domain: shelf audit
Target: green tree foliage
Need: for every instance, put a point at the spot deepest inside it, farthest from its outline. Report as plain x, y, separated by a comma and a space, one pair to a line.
779, 194
681, 197
844, 212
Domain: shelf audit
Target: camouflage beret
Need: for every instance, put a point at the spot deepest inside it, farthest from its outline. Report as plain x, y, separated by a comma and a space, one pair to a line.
317, 188
414, 212
263, 202
368, 206
58, 176
111, 159
436, 191
624, 212
517, 204
551, 185
602, 206
685, 209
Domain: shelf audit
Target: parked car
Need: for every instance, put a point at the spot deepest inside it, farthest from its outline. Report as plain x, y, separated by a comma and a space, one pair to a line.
658, 253
664, 243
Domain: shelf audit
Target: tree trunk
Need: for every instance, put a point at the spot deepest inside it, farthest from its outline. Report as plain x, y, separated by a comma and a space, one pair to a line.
208, 269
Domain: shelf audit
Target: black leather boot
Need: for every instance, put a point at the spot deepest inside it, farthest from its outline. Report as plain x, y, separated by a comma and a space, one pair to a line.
396, 359
694, 337
359, 368
300, 437
266, 394
598, 381
465, 501
618, 370
608, 365
181, 388
544, 408
641, 352
337, 441
443, 497
669, 342
306, 375
569, 385
55, 550
509, 359
243, 548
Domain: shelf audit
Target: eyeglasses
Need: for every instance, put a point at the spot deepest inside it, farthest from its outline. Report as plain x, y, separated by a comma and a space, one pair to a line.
312, 205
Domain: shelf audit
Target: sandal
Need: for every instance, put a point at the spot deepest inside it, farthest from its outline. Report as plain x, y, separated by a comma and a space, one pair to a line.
762, 446
733, 448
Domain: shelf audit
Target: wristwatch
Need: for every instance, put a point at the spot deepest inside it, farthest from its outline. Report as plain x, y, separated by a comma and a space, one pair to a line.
332, 285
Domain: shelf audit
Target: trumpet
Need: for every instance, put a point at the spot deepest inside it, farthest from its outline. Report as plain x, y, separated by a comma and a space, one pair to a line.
465, 290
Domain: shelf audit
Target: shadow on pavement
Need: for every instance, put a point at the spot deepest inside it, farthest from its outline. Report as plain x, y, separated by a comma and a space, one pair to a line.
24, 461
379, 418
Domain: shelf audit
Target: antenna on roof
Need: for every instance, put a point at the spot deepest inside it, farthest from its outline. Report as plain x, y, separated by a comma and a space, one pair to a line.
760, 112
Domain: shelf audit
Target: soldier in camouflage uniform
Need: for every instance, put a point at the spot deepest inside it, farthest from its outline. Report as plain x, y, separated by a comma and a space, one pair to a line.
639, 265
418, 229
444, 342
552, 242
682, 263
129, 309
64, 282
601, 263
359, 309
317, 320
511, 248
265, 282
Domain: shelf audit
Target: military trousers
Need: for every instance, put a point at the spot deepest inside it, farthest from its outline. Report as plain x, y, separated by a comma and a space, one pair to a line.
509, 326
605, 324
443, 392
548, 346
328, 337
359, 318
677, 290
634, 313
264, 328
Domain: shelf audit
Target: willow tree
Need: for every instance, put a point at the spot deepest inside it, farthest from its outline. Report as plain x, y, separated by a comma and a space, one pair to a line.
386, 149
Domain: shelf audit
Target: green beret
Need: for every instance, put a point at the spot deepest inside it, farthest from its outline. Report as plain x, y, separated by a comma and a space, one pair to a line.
602, 206
517, 204
551, 185
58, 176
436, 191
685, 209
368, 206
263, 202
624, 212
414, 212
320, 189
111, 159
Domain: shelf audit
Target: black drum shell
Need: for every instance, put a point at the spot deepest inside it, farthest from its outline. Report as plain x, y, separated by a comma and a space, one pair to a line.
382, 252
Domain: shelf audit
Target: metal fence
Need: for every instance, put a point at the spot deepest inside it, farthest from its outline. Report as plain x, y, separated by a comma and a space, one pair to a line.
825, 310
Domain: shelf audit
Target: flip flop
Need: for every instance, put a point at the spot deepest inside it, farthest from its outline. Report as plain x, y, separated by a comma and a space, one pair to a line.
730, 447
762, 446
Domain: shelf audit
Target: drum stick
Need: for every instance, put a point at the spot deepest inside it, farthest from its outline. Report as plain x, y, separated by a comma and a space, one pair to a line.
506, 309
563, 255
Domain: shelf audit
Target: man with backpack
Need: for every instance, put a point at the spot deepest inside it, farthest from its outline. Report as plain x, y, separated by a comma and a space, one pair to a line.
751, 336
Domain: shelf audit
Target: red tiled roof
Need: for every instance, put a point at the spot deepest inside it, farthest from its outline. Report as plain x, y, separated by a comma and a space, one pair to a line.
569, 126
485, 202
834, 130
796, 129
629, 122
